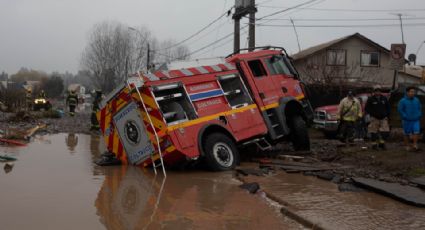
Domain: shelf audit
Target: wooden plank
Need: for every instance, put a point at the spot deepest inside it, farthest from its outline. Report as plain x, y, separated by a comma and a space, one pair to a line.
407, 194
311, 169
12, 142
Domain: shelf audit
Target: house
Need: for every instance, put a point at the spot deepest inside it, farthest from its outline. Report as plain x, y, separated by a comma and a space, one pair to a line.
354, 61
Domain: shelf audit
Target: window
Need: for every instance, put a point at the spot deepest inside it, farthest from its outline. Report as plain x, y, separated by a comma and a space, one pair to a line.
336, 57
277, 65
257, 68
234, 90
368, 58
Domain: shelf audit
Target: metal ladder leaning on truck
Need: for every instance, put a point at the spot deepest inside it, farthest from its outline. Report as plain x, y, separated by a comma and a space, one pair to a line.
207, 112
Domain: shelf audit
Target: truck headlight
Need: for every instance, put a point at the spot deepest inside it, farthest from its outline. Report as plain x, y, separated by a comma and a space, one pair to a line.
331, 117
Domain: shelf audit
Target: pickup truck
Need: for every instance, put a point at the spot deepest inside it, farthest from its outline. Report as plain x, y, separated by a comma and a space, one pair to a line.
325, 117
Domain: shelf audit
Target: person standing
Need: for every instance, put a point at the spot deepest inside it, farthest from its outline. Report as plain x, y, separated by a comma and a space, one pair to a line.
72, 102
28, 99
349, 112
95, 109
410, 110
378, 108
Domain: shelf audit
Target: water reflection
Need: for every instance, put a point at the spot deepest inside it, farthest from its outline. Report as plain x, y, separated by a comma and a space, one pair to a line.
125, 194
132, 198
71, 141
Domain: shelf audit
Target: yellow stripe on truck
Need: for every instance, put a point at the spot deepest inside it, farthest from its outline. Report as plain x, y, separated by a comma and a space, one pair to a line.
210, 117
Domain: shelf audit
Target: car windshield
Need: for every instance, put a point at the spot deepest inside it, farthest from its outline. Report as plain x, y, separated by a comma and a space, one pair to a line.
277, 65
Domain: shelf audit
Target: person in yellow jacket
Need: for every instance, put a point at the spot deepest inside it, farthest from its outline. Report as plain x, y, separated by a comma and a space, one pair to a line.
349, 112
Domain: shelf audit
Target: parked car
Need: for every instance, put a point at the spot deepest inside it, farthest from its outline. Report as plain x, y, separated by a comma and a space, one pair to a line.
325, 117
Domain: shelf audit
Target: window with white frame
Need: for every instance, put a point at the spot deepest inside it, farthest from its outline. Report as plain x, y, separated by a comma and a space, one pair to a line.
336, 57
369, 58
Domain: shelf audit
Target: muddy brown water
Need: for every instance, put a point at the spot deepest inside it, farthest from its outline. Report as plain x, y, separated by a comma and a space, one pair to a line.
55, 185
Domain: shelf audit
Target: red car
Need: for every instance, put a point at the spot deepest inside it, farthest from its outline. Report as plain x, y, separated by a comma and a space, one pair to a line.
325, 117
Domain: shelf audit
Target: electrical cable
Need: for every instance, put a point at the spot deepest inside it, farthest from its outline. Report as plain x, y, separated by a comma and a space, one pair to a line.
199, 31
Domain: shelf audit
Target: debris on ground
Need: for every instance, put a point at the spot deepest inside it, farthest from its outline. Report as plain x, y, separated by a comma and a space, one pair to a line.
8, 167
250, 171
108, 159
6, 158
251, 187
11, 142
407, 194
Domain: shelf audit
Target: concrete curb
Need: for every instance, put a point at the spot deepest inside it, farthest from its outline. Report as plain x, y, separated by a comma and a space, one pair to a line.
286, 210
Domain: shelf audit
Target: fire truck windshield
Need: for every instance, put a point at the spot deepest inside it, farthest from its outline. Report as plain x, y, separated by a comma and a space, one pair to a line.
277, 65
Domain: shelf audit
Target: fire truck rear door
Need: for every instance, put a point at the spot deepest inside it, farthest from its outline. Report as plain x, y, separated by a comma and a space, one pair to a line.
129, 124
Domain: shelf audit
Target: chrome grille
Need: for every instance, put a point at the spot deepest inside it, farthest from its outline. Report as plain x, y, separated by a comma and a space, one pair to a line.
320, 115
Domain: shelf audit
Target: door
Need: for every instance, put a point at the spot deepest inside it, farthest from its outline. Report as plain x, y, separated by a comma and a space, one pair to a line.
129, 124
264, 88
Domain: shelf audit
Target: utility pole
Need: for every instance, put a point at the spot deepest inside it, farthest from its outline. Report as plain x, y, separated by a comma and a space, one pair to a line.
237, 35
401, 27
296, 34
251, 43
243, 8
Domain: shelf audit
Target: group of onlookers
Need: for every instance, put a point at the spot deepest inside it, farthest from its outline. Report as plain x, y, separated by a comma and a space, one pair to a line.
378, 109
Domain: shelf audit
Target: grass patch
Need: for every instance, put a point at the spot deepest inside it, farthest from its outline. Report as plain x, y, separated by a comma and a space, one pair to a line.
415, 172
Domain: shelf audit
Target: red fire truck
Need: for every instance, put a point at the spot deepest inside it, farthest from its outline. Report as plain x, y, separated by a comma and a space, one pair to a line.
207, 112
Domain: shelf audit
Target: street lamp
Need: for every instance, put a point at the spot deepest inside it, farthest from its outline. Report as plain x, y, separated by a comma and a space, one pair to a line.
148, 48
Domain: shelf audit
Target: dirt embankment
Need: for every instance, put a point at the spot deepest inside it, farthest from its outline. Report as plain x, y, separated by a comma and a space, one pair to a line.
20, 122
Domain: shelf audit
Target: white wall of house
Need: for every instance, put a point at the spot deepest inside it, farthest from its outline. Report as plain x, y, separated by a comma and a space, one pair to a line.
316, 68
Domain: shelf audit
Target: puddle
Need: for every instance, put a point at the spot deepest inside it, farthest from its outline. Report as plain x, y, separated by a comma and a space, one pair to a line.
55, 185
321, 202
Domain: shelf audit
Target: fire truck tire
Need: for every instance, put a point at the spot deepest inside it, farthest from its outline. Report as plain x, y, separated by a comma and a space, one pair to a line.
299, 134
220, 152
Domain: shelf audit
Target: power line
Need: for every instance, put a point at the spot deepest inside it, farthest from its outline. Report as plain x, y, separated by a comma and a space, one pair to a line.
288, 8
199, 31
347, 26
342, 19
215, 42
348, 10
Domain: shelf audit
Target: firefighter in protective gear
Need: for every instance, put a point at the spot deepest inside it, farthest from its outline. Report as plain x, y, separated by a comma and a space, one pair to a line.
28, 99
42, 94
378, 107
349, 112
72, 102
95, 109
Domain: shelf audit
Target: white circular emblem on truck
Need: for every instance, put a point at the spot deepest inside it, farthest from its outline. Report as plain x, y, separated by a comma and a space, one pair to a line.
132, 132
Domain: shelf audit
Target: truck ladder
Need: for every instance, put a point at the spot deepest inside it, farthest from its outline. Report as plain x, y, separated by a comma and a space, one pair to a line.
154, 130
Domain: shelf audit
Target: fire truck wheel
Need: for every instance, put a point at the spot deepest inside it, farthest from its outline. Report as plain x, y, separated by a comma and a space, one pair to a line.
221, 153
299, 134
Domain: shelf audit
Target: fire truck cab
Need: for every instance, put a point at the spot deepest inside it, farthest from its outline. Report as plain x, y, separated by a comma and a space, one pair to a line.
207, 112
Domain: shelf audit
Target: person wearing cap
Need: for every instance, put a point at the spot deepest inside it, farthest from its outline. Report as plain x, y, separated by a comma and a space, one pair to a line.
349, 112
410, 110
378, 108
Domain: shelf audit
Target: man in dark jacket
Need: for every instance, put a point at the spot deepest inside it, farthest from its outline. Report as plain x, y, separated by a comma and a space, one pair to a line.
410, 110
378, 108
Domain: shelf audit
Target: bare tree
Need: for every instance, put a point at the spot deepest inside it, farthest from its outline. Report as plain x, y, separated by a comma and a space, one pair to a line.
168, 51
113, 52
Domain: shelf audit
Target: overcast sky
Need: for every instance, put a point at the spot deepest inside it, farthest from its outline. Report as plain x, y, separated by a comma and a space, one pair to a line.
50, 35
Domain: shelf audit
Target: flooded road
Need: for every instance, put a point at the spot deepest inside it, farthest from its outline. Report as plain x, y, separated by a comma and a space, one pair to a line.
320, 202
55, 185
